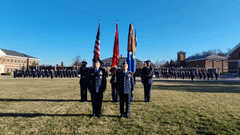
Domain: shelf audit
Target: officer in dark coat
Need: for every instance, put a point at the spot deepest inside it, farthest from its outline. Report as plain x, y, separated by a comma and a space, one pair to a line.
147, 81
200, 74
204, 74
208, 74
125, 87
23, 73
51, 73
156, 73
43, 73
14, 73
84, 80
211, 74
47, 73
97, 85
113, 81
216, 74
191, 74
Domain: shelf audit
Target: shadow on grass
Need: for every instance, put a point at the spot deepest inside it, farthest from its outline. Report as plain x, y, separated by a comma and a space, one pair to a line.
53, 100
199, 88
39, 100
48, 115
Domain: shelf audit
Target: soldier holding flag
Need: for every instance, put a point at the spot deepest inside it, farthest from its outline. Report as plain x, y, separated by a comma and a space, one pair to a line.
115, 63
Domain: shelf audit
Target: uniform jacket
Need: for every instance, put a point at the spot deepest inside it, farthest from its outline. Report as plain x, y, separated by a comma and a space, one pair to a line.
97, 80
84, 75
113, 79
146, 75
125, 82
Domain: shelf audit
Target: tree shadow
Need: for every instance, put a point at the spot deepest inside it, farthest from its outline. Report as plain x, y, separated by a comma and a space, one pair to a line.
30, 115
198, 88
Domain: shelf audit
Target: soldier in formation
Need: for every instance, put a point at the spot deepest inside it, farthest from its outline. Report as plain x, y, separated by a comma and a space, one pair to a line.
97, 85
84, 80
146, 77
125, 87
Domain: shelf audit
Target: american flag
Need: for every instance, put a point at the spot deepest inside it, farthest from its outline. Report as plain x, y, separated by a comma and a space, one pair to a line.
97, 44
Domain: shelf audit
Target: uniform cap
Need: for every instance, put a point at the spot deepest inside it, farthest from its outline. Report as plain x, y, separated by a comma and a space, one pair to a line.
147, 61
97, 60
84, 62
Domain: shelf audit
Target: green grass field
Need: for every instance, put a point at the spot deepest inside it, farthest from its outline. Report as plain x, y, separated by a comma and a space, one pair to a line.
45, 106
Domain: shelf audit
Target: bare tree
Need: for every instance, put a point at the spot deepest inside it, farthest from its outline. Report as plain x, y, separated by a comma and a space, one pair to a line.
76, 61
162, 63
228, 49
157, 63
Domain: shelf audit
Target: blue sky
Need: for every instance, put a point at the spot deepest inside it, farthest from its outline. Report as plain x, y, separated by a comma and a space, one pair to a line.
58, 30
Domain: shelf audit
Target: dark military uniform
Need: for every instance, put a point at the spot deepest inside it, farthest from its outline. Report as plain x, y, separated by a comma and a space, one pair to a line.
97, 85
51, 74
216, 75
156, 73
84, 80
14, 74
43, 73
23, 73
125, 86
113, 81
192, 75
146, 77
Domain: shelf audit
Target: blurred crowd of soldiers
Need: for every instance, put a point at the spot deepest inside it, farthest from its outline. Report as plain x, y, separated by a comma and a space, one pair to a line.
41, 72
186, 73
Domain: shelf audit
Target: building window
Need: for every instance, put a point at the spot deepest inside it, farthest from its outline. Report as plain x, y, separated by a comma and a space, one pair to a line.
30, 62
7, 69
21, 61
18, 61
15, 60
11, 69
11, 60
25, 61
7, 60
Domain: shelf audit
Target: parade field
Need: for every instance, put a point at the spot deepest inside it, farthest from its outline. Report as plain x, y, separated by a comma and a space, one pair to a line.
45, 106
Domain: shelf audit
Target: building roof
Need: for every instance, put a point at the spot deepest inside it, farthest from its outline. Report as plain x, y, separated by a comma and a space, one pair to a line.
231, 51
181, 52
14, 53
207, 57
109, 60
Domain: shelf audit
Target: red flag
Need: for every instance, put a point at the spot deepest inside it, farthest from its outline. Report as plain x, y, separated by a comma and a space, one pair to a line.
115, 58
97, 44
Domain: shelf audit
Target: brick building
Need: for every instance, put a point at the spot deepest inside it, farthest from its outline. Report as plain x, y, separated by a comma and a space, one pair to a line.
12, 60
234, 60
204, 61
